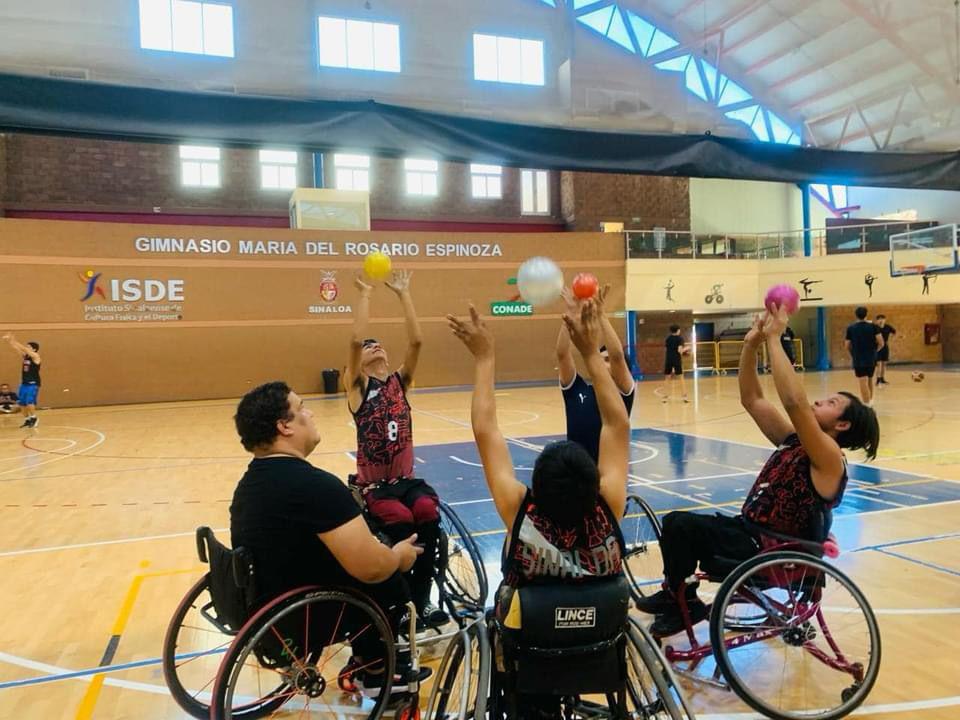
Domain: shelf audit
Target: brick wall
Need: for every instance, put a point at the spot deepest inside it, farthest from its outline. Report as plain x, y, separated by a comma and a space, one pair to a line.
950, 332
906, 346
454, 200
638, 201
45, 172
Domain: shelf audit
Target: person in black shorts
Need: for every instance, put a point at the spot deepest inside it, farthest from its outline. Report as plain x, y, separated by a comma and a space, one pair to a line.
883, 355
863, 341
304, 527
673, 364
8, 400
579, 396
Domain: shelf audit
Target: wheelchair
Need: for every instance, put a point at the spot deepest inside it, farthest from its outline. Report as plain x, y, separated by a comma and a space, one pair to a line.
789, 633
220, 660
460, 578
572, 651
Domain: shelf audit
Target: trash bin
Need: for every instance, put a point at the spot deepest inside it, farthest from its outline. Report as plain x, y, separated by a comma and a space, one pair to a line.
331, 380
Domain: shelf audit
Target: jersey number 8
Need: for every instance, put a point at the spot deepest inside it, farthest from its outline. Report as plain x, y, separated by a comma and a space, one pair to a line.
393, 430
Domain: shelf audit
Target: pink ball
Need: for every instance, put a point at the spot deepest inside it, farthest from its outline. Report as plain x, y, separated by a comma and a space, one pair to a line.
831, 549
782, 295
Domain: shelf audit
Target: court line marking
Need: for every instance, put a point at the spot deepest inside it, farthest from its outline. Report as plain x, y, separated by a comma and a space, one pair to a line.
923, 563
862, 710
910, 541
98, 543
100, 441
39, 451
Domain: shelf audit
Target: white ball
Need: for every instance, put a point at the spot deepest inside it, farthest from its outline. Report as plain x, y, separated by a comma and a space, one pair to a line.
539, 281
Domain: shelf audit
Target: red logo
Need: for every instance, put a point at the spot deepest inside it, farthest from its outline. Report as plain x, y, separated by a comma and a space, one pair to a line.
328, 287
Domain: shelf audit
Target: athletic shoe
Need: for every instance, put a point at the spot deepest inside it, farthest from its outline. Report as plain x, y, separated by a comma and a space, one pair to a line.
670, 623
665, 600
30, 422
433, 616
405, 680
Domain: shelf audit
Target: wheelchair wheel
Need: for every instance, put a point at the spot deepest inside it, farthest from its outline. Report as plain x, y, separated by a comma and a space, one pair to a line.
306, 642
642, 562
652, 689
463, 677
461, 575
193, 647
816, 653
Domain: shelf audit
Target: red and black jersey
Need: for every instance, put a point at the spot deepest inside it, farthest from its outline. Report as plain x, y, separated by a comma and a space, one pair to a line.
784, 499
384, 433
539, 549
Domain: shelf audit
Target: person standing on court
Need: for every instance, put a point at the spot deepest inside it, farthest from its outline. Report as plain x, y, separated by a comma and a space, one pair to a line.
673, 364
377, 398
29, 378
579, 397
883, 355
863, 340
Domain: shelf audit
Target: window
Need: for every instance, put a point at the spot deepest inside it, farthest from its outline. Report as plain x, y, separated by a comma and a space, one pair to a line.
421, 176
535, 192
352, 171
358, 45
187, 26
485, 180
278, 169
507, 60
200, 166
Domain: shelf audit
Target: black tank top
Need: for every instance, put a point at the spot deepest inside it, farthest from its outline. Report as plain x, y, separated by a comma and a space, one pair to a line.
30, 375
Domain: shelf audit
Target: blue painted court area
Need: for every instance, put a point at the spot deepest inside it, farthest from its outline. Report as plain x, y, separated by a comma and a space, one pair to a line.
671, 471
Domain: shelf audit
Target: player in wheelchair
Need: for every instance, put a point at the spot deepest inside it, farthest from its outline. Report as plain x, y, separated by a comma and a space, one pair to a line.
795, 491
561, 628
301, 526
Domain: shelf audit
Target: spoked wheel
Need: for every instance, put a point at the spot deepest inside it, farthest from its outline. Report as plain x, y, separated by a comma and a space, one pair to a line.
816, 651
193, 647
652, 689
311, 644
463, 677
460, 568
642, 562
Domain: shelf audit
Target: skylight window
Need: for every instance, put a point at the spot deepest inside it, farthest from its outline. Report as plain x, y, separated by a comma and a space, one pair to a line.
358, 44
186, 26
507, 60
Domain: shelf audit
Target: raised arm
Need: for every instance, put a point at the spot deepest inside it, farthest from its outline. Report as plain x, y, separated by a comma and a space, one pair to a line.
21, 348
826, 457
566, 368
506, 490
352, 379
400, 284
771, 421
615, 430
619, 369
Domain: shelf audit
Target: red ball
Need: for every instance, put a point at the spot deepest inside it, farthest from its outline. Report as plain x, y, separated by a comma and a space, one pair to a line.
585, 285
784, 296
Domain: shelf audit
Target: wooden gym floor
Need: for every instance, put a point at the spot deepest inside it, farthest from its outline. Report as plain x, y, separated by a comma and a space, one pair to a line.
99, 506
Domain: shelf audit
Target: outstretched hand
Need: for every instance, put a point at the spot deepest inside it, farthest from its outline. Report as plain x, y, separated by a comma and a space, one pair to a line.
584, 328
473, 333
601, 297
754, 335
400, 281
774, 323
360, 285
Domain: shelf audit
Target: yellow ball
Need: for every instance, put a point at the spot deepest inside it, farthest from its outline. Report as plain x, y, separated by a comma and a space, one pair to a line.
377, 266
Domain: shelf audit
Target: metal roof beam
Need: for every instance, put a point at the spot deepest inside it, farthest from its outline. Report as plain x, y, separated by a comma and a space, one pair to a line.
763, 30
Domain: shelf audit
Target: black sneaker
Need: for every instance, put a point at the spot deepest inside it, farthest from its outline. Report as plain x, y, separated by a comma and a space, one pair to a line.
30, 422
671, 622
433, 616
660, 602
405, 680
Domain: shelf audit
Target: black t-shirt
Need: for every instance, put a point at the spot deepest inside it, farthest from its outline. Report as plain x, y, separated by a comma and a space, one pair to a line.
863, 343
673, 344
8, 398
279, 507
30, 374
887, 331
583, 413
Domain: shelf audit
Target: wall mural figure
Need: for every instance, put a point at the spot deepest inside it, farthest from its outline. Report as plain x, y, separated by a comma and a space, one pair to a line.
669, 288
715, 294
807, 282
868, 281
926, 282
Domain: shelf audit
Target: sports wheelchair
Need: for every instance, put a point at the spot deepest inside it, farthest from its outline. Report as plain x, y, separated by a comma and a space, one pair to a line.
572, 651
223, 660
790, 634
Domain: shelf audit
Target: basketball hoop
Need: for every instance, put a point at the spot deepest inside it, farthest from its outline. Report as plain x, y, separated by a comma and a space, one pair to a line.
913, 269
